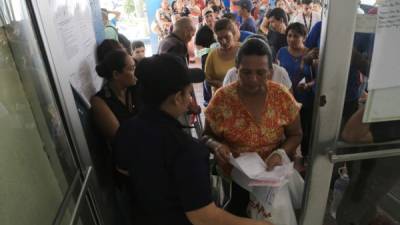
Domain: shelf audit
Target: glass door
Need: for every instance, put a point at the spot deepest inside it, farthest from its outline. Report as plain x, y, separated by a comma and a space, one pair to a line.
40, 182
353, 175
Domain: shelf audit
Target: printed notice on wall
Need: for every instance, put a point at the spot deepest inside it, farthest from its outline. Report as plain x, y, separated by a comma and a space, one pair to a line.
385, 64
69, 31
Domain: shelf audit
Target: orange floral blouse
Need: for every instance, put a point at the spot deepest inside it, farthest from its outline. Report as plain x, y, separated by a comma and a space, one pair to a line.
230, 120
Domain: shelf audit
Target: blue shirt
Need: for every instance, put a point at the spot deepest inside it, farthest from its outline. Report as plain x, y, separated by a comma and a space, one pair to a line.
313, 38
249, 25
227, 3
296, 74
169, 170
362, 42
244, 34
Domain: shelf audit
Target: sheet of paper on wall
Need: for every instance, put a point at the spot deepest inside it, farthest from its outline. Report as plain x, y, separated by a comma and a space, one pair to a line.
384, 80
366, 23
382, 105
385, 66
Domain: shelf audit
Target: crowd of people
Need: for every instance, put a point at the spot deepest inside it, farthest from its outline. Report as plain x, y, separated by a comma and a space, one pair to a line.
258, 68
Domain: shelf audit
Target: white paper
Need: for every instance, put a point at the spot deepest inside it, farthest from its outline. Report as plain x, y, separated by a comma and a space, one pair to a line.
250, 172
254, 171
70, 37
366, 23
249, 163
385, 66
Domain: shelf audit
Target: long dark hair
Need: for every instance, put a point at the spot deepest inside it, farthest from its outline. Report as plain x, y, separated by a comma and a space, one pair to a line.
113, 61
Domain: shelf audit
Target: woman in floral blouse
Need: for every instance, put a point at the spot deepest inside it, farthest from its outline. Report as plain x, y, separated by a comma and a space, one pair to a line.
252, 115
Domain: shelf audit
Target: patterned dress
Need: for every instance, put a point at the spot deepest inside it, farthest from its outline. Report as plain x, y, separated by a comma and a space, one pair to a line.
230, 120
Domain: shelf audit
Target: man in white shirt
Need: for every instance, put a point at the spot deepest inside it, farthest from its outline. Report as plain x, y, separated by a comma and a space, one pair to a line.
308, 17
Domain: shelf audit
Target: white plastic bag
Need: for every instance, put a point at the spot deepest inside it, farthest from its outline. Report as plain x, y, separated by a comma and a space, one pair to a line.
285, 200
281, 213
296, 189
274, 203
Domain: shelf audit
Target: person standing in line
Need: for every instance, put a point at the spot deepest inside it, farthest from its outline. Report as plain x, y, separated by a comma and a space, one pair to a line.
163, 20
253, 115
138, 50
222, 58
114, 104
292, 59
110, 31
370, 179
203, 40
243, 33
176, 42
308, 17
276, 35
248, 22
278, 75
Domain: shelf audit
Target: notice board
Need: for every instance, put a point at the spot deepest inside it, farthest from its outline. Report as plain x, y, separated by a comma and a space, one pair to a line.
70, 40
384, 81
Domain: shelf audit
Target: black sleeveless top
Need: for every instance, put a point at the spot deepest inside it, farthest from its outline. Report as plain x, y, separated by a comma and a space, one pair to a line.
121, 111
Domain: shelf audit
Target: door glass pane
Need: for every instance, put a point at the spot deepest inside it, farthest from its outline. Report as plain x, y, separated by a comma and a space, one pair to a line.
36, 163
369, 193
27, 178
27, 62
363, 98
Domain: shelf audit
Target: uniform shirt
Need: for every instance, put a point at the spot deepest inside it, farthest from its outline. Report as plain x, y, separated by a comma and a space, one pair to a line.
296, 73
168, 169
249, 24
244, 34
314, 36
353, 83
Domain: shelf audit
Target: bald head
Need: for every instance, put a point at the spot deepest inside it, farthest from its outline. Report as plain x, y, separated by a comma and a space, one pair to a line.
183, 25
184, 28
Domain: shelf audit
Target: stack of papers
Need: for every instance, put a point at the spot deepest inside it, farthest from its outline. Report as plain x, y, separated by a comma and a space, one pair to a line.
252, 171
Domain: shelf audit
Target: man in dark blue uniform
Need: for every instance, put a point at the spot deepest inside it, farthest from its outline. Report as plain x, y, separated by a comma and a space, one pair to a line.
168, 169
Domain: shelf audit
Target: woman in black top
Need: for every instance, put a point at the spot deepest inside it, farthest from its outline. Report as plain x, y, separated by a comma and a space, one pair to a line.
116, 101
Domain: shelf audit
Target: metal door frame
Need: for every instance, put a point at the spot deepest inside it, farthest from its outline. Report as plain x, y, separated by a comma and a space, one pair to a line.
338, 27
89, 188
